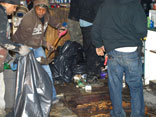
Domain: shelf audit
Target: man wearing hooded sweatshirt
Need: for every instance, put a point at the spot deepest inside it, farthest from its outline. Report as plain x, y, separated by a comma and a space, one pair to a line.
117, 29
31, 32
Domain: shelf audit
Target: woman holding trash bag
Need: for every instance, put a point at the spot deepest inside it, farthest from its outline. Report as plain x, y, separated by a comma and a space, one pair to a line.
32, 30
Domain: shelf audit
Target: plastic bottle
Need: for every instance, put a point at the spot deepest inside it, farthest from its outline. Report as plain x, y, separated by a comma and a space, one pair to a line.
148, 22
7, 66
80, 84
151, 23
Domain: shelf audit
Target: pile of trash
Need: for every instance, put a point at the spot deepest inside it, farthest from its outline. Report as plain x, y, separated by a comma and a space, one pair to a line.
70, 61
70, 66
81, 80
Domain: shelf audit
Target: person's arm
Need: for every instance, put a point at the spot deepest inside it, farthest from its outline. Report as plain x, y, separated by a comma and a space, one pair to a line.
7, 43
4, 42
96, 31
53, 22
140, 22
62, 28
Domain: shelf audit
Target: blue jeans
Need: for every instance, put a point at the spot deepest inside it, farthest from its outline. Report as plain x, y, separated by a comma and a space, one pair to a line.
38, 53
130, 64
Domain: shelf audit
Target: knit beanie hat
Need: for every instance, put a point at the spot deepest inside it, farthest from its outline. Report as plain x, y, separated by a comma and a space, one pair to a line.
15, 2
41, 2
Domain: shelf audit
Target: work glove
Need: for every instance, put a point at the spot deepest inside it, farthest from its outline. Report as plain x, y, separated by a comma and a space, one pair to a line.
24, 50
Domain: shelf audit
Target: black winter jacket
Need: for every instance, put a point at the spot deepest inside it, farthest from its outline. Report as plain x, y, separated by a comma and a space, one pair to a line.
119, 23
84, 9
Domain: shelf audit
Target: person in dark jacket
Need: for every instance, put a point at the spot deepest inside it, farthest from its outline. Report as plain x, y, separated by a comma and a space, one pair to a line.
85, 12
31, 32
117, 30
7, 7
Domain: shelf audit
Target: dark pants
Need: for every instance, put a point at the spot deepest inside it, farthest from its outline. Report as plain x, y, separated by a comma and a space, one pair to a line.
92, 59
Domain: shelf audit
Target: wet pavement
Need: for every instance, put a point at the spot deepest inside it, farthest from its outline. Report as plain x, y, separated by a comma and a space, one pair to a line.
76, 102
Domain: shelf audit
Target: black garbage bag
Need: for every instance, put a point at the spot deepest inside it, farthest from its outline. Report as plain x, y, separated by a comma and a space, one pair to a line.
33, 92
79, 69
70, 54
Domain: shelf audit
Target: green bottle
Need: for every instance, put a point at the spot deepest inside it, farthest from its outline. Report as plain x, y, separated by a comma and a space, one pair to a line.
148, 22
7, 66
80, 84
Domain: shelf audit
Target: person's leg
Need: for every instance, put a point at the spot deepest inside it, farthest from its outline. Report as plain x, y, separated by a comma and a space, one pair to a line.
38, 53
92, 59
2, 92
115, 79
134, 80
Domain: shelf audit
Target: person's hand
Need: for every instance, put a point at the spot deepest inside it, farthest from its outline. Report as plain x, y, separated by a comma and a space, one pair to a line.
49, 46
62, 31
24, 50
62, 28
100, 51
